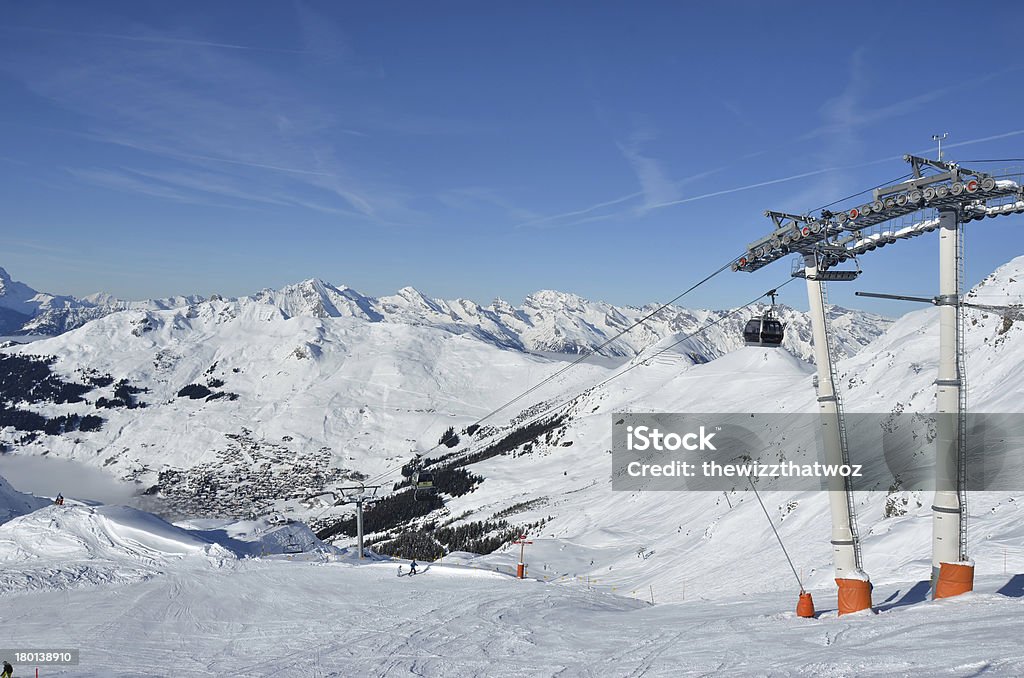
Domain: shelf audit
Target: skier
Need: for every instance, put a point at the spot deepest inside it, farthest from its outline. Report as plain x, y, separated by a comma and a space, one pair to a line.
59, 501
412, 568
8, 671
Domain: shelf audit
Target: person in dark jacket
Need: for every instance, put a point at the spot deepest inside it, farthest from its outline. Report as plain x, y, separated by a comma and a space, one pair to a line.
412, 568
8, 671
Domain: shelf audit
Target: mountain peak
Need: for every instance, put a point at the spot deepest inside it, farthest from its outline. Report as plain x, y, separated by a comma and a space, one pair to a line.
318, 283
16, 296
418, 299
410, 292
553, 299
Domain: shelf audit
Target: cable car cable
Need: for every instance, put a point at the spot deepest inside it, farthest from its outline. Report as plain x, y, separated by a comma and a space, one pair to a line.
996, 160
689, 336
779, 538
574, 363
380, 476
884, 183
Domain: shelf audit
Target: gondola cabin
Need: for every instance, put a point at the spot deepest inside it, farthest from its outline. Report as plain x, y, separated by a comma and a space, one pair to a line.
765, 330
423, 482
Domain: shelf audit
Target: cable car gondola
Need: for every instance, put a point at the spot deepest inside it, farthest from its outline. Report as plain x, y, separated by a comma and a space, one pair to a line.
423, 484
765, 330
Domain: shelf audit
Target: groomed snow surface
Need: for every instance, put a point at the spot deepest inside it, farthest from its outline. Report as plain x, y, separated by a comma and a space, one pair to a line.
140, 597
292, 618
155, 599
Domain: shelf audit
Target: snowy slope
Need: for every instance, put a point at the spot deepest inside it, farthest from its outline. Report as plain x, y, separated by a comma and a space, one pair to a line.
102, 532
306, 402
68, 546
57, 547
312, 367
258, 537
689, 539
274, 618
14, 503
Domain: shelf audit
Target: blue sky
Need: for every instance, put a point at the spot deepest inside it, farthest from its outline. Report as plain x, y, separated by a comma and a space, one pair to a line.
617, 150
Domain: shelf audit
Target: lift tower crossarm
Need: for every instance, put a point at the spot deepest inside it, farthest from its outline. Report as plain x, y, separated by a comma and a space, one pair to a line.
361, 496
950, 171
898, 297
780, 218
955, 187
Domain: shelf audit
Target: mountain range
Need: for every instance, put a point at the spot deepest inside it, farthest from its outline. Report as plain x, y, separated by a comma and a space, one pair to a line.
26, 311
231, 407
546, 322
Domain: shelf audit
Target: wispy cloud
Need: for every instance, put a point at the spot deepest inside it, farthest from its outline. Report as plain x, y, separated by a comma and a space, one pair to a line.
850, 110
737, 113
471, 198
211, 107
838, 137
123, 181
149, 38
201, 188
994, 137
632, 201
654, 183
557, 219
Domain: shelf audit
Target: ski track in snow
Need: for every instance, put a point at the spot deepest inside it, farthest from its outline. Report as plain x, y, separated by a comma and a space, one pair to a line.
280, 618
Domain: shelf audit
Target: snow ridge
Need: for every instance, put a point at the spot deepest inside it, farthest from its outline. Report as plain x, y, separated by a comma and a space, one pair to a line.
547, 322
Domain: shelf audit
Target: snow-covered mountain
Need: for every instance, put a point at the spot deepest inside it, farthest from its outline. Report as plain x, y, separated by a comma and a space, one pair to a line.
250, 406
315, 384
559, 322
546, 322
24, 310
238, 393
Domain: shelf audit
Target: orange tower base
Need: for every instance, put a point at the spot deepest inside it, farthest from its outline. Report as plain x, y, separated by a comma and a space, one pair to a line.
805, 606
854, 595
954, 579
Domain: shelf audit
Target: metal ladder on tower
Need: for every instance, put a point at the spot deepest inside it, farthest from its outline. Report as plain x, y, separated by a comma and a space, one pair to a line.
840, 415
961, 368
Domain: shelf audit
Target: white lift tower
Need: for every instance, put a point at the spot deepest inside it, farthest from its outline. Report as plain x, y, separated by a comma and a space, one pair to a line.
946, 196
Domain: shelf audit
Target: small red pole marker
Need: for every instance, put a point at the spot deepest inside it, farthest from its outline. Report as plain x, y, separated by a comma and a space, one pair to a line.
521, 567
